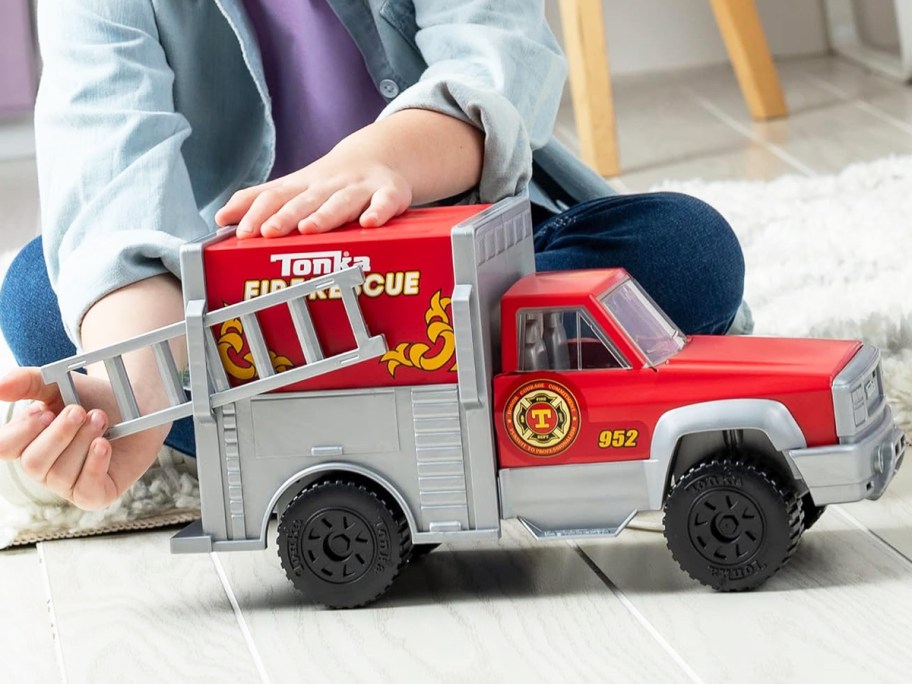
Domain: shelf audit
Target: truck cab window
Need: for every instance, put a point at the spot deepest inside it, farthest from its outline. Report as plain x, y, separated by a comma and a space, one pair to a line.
562, 339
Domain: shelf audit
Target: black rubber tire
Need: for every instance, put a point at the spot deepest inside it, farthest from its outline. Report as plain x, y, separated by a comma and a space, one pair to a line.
341, 544
731, 525
812, 513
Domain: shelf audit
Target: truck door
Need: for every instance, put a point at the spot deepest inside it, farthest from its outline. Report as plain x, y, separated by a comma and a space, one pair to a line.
574, 398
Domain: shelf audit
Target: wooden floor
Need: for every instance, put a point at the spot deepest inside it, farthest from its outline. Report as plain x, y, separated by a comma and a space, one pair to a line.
120, 609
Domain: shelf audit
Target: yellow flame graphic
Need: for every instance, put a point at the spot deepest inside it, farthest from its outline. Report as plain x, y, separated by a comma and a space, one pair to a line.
439, 331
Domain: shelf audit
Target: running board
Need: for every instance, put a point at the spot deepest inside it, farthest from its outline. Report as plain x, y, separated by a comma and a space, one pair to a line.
192, 539
577, 532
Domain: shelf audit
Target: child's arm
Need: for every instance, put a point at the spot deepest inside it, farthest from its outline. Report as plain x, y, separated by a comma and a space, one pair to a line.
493, 66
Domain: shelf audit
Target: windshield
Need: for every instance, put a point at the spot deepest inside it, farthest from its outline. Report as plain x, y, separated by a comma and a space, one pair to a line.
656, 336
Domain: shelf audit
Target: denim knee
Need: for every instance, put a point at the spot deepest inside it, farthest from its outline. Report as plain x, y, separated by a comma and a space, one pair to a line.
681, 250
711, 262
29, 315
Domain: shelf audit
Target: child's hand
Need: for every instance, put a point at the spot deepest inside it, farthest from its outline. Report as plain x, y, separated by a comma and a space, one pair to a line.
334, 190
412, 156
62, 447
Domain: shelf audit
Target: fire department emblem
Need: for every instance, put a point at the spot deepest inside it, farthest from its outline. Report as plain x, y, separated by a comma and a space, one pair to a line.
542, 418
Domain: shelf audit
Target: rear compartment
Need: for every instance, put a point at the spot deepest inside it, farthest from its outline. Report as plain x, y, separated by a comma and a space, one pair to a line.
408, 269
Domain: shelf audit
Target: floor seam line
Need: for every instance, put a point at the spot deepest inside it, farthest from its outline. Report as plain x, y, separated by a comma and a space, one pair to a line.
887, 547
740, 128
861, 105
637, 615
242, 622
52, 615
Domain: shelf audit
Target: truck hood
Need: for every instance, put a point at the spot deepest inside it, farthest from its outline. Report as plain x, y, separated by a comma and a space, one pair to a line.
768, 356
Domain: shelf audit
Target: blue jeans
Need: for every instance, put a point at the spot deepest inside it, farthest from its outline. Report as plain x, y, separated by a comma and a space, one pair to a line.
679, 249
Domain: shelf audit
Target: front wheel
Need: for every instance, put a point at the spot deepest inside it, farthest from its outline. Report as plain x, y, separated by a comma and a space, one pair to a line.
731, 525
342, 545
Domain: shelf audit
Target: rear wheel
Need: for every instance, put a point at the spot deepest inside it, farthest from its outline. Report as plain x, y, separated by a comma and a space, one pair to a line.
731, 525
341, 544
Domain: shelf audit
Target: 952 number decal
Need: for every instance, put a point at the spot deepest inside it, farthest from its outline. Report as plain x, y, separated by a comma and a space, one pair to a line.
618, 439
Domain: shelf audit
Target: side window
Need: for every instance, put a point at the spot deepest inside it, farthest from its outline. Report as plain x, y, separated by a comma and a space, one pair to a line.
562, 339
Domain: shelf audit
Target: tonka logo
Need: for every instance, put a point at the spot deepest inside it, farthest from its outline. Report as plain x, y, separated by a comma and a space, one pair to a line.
737, 573
311, 264
714, 481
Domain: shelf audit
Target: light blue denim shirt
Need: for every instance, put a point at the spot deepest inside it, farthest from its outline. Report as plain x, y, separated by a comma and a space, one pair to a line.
151, 113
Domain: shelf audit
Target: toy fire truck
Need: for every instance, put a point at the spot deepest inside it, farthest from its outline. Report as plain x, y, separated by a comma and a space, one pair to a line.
387, 390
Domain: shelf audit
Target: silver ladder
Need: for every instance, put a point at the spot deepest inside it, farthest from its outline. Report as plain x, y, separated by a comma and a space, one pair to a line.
221, 393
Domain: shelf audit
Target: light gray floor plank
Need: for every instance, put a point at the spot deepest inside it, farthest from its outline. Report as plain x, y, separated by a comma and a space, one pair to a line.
825, 130
749, 161
517, 611
128, 611
840, 611
26, 642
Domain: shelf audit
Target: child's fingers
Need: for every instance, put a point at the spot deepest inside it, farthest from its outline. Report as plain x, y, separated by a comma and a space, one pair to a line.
26, 383
62, 476
240, 202
94, 487
295, 210
265, 205
16, 435
385, 204
45, 449
342, 207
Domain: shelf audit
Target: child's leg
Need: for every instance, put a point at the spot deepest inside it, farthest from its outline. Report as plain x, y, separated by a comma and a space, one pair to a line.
29, 314
30, 320
680, 249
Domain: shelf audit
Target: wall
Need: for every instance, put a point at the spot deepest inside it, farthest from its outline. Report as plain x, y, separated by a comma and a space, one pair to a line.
17, 71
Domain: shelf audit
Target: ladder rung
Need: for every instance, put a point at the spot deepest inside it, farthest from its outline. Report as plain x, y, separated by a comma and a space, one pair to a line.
257, 345
170, 376
170, 414
373, 346
123, 391
355, 316
216, 369
300, 316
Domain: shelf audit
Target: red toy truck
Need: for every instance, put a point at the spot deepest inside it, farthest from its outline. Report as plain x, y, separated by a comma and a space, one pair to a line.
387, 390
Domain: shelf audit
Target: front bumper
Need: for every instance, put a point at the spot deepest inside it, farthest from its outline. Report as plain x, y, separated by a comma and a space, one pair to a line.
854, 471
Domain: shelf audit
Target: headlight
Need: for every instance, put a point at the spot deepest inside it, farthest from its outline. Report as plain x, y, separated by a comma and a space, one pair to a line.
858, 395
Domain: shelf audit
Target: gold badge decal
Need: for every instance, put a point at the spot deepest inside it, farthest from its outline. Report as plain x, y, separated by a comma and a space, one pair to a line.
542, 418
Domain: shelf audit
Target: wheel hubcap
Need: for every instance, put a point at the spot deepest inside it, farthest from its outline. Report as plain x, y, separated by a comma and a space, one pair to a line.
726, 526
337, 545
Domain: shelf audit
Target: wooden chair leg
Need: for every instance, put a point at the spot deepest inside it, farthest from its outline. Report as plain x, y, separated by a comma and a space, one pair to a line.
590, 83
740, 26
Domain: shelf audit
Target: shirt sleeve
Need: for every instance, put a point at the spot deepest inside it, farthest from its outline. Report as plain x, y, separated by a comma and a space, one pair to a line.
494, 64
116, 198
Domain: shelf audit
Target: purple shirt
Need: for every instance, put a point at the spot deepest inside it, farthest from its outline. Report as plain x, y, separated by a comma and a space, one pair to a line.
320, 88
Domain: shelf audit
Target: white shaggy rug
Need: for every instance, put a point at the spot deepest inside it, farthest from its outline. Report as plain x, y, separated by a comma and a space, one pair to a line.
826, 256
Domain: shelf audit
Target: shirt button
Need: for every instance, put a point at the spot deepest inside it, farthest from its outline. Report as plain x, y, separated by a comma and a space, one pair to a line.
388, 88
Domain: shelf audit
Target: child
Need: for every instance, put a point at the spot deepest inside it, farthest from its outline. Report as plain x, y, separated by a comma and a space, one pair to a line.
152, 116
